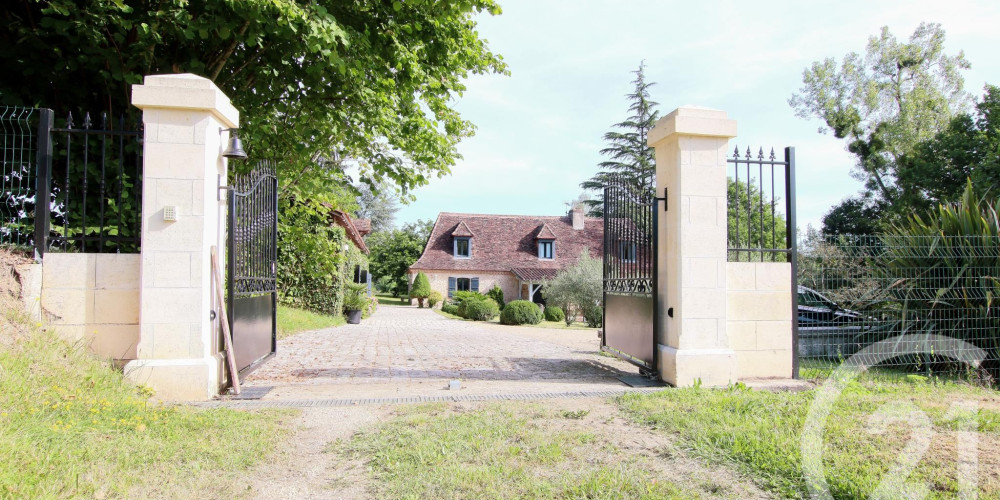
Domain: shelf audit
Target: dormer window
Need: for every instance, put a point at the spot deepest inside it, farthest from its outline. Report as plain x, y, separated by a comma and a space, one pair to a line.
463, 248
626, 251
546, 249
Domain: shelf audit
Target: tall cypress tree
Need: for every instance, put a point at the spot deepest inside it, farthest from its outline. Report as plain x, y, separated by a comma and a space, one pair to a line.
629, 160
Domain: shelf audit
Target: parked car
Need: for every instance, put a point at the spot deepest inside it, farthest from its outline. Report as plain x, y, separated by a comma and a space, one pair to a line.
827, 330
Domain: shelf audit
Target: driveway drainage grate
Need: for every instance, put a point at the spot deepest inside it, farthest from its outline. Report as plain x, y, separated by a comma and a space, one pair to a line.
324, 403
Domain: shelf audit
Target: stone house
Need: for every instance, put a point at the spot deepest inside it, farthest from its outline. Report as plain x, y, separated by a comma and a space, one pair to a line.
515, 252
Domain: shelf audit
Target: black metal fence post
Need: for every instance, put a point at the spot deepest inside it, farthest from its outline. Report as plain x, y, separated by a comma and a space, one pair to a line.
793, 253
43, 180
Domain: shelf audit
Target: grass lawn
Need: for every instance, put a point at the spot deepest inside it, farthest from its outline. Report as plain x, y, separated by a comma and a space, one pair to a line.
501, 451
386, 299
70, 426
292, 320
761, 432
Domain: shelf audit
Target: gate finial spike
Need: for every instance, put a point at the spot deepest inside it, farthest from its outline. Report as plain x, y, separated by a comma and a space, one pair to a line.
748, 152
69, 120
772, 153
736, 152
86, 121
760, 154
104, 120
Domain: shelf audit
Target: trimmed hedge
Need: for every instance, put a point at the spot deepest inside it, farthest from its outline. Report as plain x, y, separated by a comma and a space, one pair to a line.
450, 309
484, 309
521, 312
554, 313
434, 298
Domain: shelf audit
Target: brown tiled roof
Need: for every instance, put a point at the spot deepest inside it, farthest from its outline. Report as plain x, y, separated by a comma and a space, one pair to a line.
508, 242
461, 230
364, 226
344, 220
533, 274
545, 233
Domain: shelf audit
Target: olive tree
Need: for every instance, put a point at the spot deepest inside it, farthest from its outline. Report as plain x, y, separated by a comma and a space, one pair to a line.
578, 288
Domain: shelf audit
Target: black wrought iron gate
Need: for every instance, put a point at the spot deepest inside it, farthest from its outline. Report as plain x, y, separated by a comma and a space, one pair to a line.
630, 243
252, 261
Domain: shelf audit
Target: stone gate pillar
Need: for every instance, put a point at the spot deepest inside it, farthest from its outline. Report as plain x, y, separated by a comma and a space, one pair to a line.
178, 354
691, 145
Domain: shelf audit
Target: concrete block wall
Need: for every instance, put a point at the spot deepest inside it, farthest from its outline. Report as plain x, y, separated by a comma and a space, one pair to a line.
759, 318
94, 299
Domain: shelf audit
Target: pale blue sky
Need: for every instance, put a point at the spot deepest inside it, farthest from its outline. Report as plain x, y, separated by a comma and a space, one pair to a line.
539, 129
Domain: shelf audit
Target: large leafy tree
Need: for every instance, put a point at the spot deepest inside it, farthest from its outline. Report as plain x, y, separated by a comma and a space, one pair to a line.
630, 160
392, 254
936, 171
379, 205
317, 82
753, 221
885, 103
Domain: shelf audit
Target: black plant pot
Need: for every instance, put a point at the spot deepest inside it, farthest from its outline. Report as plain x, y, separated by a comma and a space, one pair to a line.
353, 316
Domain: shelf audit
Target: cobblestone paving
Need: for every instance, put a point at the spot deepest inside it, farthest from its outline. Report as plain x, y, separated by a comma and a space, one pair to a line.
406, 345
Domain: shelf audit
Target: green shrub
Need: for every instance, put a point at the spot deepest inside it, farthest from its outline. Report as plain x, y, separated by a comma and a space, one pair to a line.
496, 293
483, 309
460, 298
450, 309
434, 298
521, 312
593, 316
421, 288
554, 313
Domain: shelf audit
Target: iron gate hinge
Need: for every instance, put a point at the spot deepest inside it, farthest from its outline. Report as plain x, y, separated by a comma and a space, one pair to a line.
664, 199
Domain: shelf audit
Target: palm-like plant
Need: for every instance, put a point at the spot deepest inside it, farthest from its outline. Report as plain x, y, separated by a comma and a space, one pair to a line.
943, 273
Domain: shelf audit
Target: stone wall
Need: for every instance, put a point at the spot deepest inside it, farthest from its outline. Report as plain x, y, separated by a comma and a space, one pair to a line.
93, 299
439, 281
759, 318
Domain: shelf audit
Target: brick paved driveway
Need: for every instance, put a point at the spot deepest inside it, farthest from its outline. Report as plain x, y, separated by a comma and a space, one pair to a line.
403, 346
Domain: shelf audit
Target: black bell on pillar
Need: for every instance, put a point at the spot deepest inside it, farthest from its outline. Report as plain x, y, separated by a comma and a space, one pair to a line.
235, 149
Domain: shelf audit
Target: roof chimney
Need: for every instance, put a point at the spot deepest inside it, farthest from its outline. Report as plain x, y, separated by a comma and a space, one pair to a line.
577, 215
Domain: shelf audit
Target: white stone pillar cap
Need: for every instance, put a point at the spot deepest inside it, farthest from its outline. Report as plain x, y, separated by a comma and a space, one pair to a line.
185, 91
692, 120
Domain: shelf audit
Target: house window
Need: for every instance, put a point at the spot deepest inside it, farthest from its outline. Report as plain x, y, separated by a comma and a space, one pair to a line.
463, 247
462, 285
626, 251
546, 249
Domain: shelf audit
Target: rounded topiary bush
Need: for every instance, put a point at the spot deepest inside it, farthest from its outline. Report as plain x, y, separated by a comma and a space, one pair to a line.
481, 310
553, 313
521, 312
450, 309
434, 298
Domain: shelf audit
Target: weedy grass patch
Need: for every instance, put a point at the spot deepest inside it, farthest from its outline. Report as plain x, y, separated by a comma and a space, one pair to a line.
496, 452
863, 439
292, 320
72, 426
